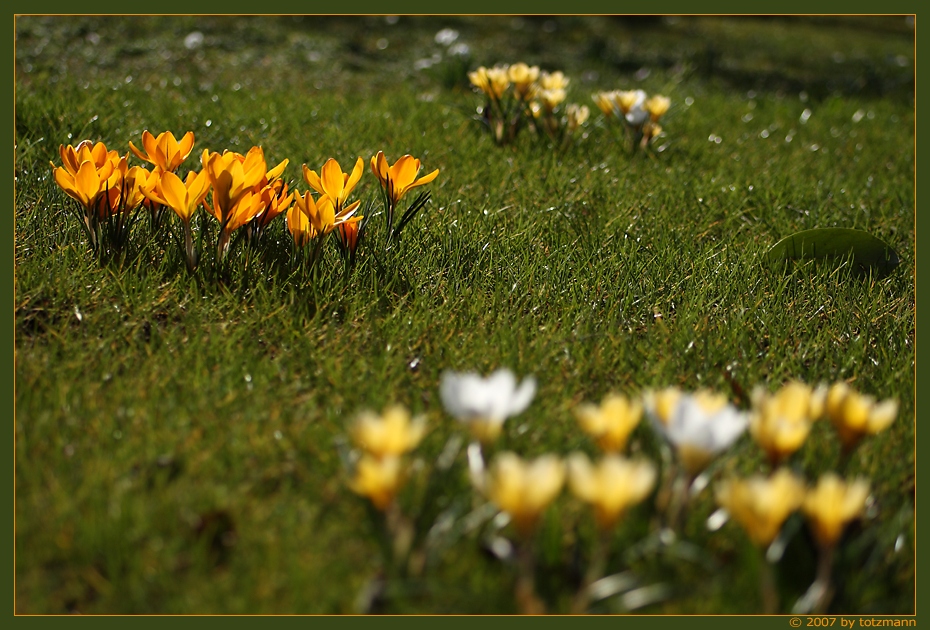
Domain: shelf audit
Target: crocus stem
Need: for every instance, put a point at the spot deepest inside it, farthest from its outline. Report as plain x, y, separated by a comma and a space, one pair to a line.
824, 577
525, 592
189, 247
596, 567
767, 584
400, 534
681, 486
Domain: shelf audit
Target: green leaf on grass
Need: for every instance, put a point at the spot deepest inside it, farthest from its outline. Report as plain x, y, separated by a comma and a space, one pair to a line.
866, 252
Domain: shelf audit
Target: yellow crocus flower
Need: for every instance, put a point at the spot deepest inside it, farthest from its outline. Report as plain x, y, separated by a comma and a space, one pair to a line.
298, 224
523, 489
781, 422
611, 486
378, 479
164, 151
73, 157
321, 213
479, 78
612, 423
523, 77
136, 181
348, 235
400, 178
605, 101
657, 106
554, 81
391, 434
498, 81
626, 100
832, 504
87, 184
333, 183
279, 202
184, 197
761, 505
576, 115
856, 415
551, 98
231, 175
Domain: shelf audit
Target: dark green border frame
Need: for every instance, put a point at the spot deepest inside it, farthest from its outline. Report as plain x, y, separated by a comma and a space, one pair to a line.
399, 7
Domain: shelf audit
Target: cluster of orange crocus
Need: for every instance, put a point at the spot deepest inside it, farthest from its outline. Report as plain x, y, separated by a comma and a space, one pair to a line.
239, 191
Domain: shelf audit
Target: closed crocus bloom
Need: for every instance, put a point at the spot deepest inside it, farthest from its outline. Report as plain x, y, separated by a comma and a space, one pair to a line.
135, 182
479, 78
523, 489
87, 184
605, 102
700, 426
553, 81
378, 479
333, 183
781, 422
400, 178
298, 224
72, 157
249, 206
657, 106
279, 202
833, 503
348, 235
628, 99
484, 403
612, 423
184, 197
577, 115
611, 486
856, 415
551, 98
391, 434
761, 504
231, 175
498, 81
522, 76
322, 214
112, 197
164, 151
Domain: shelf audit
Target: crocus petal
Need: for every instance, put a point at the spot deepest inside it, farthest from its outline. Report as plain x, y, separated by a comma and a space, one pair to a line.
275, 173
353, 178
313, 180
333, 179
87, 182
66, 181
185, 146
174, 192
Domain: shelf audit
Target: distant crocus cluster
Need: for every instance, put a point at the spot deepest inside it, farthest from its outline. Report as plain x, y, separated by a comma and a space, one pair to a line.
238, 190
698, 427
636, 112
521, 96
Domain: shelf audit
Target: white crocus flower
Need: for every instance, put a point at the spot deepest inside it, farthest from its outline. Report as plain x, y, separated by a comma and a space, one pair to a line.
637, 115
700, 426
484, 403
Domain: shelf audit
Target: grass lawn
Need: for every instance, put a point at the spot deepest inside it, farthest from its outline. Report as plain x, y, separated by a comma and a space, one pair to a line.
181, 438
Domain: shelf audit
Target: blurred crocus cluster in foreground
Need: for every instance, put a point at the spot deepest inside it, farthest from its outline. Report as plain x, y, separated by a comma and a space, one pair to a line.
692, 431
